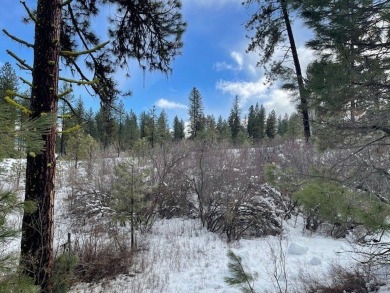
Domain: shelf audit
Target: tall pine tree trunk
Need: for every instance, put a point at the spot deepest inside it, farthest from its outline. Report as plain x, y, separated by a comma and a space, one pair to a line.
301, 87
38, 228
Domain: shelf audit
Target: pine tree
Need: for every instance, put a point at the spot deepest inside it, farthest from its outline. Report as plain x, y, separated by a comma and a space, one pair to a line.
270, 127
131, 130
162, 128
178, 129
259, 130
81, 146
222, 129
8, 88
120, 120
128, 195
234, 120
210, 131
195, 112
282, 125
251, 124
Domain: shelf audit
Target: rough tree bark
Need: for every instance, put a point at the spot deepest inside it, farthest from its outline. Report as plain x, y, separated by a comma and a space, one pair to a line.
38, 228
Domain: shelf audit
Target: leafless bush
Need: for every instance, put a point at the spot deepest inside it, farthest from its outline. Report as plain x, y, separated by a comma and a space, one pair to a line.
339, 280
100, 258
230, 198
172, 187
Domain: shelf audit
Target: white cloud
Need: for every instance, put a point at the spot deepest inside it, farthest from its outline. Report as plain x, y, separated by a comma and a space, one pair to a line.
250, 93
280, 101
245, 90
219, 66
238, 58
165, 104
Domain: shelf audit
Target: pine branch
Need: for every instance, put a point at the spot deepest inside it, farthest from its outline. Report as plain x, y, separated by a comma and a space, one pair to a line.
29, 12
25, 81
20, 41
15, 94
71, 129
88, 51
17, 105
22, 64
79, 82
239, 276
70, 107
68, 91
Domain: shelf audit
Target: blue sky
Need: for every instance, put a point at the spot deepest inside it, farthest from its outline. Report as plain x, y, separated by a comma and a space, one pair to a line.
213, 60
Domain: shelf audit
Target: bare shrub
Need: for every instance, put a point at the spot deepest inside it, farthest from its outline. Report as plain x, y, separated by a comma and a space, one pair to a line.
172, 187
230, 198
339, 280
100, 258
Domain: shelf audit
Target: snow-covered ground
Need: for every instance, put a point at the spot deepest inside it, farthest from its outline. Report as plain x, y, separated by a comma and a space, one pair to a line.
178, 255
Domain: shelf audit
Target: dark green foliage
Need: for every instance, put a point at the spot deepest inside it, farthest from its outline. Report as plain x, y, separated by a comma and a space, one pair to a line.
222, 129
270, 127
239, 277
178, 129
335, 204
234, 120
129, 190
294, 129
18, 284
195, 113
162, 128
64, 269
282, 125
349, 80
131, 130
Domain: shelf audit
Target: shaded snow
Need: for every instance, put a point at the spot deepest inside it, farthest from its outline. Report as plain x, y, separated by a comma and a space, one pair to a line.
180, 256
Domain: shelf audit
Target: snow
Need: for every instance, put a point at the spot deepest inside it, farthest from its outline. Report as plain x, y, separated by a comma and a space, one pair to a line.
179, 255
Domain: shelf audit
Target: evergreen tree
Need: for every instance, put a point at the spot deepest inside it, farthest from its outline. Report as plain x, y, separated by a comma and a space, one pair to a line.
131, 130
270, 127
107, 126
8, 88
90, 124
348, 82
271, 24
234, 120
178, 129
282, 125
259, 130
148, 125
195, 112
294, 129
251, 122
210, 131
223, 130
81, 146
120, 117
127, 201
162, 128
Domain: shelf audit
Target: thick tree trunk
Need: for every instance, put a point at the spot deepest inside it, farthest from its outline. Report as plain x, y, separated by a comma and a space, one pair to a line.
38, 228
302, 91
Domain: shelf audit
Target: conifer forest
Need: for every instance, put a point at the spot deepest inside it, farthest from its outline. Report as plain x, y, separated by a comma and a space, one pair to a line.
105, 197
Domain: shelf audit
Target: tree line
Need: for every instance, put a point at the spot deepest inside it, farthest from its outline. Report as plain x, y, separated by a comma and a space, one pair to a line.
123, 130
